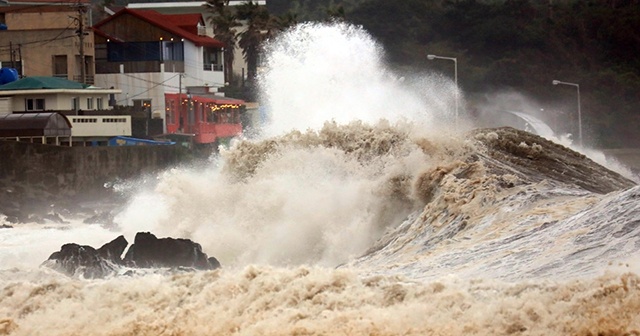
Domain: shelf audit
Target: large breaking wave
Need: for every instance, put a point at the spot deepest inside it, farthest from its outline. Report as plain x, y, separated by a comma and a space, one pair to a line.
393, 220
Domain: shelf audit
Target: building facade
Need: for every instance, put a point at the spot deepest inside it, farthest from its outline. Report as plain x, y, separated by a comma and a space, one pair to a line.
48, 38
207, 29
154, 57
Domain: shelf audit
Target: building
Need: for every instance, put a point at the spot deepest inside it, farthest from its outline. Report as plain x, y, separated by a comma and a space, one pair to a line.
37, 100
146, 54
206, 28
48, 38
42, 94
43, 127
156, 59
208, 119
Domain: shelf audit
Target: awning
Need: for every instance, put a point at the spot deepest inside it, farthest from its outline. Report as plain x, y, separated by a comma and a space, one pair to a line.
200, 99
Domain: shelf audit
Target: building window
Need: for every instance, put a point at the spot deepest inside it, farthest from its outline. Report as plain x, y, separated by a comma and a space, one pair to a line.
114, 120
173, 51
75, 104
84, 120
99, 104
34, 104
60, 66
89, 103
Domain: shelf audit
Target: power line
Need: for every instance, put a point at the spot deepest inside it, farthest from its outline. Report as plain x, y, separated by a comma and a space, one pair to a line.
149, 89
6, 46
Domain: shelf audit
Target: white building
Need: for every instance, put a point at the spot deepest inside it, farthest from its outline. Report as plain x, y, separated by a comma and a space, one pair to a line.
147, 54
42, 97
41, 94
203, 8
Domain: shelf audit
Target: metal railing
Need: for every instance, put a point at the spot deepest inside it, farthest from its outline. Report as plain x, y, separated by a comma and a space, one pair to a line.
213, 67
89, 79
137, 67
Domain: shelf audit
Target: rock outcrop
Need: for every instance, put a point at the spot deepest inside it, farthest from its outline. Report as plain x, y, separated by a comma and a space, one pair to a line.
147, 252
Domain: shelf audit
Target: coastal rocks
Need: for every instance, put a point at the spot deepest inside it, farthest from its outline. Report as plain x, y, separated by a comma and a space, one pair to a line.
84, 261
147, 252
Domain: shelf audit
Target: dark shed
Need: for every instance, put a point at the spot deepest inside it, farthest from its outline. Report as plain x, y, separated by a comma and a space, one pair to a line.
46, 124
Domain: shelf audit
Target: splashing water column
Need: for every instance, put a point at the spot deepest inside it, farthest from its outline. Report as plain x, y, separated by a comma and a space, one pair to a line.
455, 75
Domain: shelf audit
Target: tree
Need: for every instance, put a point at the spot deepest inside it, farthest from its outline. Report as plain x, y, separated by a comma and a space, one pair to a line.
259, 25
224, 24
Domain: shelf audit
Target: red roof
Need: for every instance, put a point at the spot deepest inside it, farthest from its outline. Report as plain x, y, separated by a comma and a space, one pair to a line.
183, 25
105, 35
188, 22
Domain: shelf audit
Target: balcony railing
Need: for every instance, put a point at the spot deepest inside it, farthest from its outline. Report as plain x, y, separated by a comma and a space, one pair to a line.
138, 67
213, 67
89, 79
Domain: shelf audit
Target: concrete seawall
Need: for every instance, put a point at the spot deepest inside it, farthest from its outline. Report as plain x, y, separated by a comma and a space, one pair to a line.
70, 171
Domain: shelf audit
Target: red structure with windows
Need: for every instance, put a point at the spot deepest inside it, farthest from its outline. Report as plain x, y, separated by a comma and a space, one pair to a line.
206, 118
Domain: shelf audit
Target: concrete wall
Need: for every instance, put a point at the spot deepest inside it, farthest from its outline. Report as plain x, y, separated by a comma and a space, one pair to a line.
37, 58
72, 171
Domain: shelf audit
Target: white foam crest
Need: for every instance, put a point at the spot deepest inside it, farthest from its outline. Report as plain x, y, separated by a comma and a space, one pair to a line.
28, 245
317, 72
302, 206
313, 301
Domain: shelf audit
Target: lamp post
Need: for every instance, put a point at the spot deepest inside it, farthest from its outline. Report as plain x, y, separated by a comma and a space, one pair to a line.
556, 82
455, 74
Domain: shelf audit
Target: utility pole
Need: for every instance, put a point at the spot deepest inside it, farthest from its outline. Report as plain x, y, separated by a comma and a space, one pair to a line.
11, 54
179, 107
20, 57
80, 32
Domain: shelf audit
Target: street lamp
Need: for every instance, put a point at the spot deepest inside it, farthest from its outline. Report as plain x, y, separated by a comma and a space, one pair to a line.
455, 74
556, 82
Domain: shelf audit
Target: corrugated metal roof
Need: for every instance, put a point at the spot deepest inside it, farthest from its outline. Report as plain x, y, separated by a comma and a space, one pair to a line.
42, 82
34, 124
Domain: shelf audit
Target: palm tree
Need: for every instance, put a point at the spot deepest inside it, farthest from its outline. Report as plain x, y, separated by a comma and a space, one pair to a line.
258, 29
284, 21
224, 22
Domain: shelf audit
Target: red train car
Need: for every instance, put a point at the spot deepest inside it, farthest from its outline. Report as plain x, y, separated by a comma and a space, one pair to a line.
207, 119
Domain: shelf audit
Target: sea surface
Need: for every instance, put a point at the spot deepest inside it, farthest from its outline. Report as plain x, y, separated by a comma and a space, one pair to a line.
364, 205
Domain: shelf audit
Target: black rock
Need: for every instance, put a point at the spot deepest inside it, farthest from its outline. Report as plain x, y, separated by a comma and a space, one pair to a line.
112, 251
149, 251
146, 252
80, 260
214, 262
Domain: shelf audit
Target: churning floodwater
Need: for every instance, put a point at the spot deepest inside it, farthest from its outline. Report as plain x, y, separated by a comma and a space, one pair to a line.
361, 207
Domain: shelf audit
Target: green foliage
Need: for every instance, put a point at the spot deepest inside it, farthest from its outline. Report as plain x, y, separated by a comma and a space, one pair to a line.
225, 23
